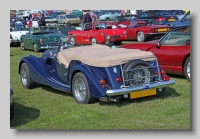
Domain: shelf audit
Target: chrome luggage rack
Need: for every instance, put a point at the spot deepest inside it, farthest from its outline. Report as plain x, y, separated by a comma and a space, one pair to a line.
150, 60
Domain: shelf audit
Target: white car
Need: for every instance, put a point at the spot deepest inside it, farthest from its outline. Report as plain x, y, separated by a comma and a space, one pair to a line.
109, 16
49, 21
15, 35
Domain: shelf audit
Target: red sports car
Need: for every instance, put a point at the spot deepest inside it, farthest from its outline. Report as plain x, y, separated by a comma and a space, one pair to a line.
140, 30
98, 32
172, 51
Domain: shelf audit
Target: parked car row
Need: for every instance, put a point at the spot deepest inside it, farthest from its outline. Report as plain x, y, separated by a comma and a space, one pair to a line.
86, 63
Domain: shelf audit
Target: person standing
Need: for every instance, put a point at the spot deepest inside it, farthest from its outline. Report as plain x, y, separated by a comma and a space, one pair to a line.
123, 12
30, 16
86, 20
93, 16
41, 21
29, 24
133, 12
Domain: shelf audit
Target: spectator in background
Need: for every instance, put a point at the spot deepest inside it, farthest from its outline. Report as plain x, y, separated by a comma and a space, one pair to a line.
34, 15
93, 16
133, 12
86, 20
29, 24
41, 21
30, 16
139, 12
123, 12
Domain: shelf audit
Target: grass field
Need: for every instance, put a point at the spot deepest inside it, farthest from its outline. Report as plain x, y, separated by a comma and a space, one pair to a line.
47, 108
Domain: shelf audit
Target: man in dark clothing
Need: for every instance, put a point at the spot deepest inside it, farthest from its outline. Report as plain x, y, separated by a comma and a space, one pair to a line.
41, 21
86, 20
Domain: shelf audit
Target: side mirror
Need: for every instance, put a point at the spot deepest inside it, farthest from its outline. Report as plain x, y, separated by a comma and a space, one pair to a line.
158, 44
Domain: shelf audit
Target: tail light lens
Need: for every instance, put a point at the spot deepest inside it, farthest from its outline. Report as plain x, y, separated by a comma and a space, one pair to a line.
102, 82
119, 79
160, 18
162, 72
154, 30
41, 41
10, 36
165, 77
13, 25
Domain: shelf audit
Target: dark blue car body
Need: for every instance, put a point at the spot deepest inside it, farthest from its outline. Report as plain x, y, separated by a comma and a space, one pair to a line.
185, 21
48, 71
11, 102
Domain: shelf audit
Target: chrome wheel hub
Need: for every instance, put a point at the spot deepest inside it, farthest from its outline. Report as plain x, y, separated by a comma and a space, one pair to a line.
72, 40
140, 37
24, 77
94, 41
80, 89
140, 75
188, 69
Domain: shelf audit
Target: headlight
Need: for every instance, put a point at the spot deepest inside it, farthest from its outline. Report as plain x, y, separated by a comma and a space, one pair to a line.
124, 33
108, 37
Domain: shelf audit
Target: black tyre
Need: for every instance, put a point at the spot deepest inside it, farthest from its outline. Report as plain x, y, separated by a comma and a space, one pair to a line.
72, 41
107, 19
187, 69
141, 37
12, 111
35, 48
93, 41
80, 89
22, 45
26, 78
139, 72
118, 42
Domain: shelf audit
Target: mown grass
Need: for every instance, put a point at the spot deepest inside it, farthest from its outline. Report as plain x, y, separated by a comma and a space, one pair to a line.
47, 108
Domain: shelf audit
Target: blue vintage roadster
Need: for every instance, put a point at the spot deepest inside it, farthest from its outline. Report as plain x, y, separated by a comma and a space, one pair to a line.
95, 72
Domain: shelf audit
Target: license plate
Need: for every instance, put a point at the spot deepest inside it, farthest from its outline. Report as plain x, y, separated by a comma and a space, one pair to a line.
162, 29
143, 93
73, 21
116, 36
51, 21
171, 19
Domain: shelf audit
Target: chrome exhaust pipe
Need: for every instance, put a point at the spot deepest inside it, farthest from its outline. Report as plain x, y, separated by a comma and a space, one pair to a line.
106, 99
114, 99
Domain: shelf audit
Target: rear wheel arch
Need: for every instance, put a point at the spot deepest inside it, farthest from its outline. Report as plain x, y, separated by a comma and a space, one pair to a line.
72, 76
21, 62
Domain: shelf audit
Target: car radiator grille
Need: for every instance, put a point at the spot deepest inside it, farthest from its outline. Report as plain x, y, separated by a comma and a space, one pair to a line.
53, 44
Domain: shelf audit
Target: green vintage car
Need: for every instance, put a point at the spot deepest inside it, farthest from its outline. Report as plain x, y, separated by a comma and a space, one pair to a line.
41, 40
61, 29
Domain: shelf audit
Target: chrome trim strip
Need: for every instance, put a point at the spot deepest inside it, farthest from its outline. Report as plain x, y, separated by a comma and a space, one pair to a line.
57, 82
139, 88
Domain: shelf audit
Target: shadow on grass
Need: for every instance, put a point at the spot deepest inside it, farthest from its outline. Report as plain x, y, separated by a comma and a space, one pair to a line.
169, 92
177, 76
56, 91
23, 115
15, 44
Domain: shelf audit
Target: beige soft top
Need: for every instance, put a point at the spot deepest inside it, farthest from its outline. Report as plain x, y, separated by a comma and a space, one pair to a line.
101, 55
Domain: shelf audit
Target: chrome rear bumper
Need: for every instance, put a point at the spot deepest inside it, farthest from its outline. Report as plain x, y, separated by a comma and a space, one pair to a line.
139, 88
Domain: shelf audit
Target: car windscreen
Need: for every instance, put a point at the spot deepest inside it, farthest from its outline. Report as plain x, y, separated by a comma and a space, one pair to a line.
40, 33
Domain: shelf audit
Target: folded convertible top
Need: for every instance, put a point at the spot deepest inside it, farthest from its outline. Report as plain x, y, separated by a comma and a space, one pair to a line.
101, 55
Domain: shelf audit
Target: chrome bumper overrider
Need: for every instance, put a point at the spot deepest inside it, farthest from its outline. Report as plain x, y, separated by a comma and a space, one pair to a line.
139, 88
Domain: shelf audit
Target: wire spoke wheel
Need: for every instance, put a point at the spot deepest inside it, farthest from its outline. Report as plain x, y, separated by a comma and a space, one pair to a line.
140, 75
80, 89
